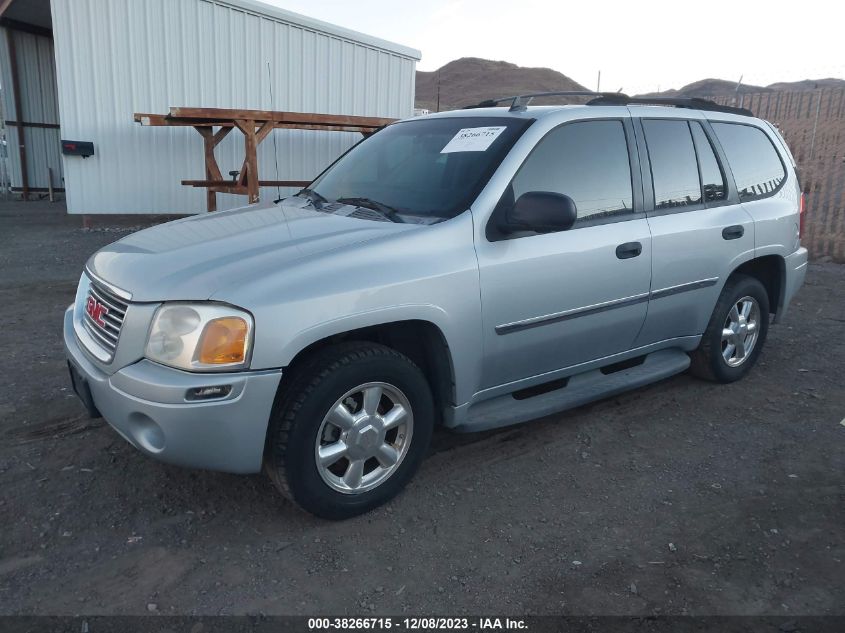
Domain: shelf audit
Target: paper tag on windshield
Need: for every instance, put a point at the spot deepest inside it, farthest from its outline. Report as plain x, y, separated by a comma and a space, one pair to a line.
472, 139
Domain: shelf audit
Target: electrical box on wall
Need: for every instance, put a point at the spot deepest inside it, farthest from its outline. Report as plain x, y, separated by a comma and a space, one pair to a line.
78, 148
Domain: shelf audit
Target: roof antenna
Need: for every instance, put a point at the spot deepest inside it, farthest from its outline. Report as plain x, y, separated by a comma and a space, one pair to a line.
275, 146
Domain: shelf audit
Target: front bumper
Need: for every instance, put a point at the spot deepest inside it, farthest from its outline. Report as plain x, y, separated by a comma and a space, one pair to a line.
145, 402
796, 271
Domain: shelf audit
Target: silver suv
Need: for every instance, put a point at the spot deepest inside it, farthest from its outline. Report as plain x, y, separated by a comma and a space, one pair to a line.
469, 269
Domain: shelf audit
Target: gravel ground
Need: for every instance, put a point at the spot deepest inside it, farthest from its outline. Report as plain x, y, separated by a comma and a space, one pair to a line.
681, 498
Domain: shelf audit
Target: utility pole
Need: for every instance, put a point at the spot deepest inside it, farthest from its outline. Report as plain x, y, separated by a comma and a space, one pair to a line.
438, 90
598, 83
815, 125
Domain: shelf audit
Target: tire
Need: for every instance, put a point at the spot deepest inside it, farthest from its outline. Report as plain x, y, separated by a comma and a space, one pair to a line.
345, 380
714, 359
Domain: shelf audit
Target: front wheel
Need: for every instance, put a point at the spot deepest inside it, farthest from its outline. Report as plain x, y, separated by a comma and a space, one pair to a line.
351, 425
736, 332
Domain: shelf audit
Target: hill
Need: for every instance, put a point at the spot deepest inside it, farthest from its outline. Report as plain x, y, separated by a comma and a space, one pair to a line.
470, 80
722, 87
809, 84
708, 88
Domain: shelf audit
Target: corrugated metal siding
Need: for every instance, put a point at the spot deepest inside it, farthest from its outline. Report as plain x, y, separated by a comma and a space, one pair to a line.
117, 57
39, 104
4, 109
8, 105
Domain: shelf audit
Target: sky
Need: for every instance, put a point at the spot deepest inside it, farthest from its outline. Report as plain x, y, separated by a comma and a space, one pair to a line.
638, 46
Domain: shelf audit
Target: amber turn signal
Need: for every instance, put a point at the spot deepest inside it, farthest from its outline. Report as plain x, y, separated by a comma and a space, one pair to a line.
223, 341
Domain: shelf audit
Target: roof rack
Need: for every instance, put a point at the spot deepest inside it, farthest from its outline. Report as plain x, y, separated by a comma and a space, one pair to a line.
520, 102
694, 103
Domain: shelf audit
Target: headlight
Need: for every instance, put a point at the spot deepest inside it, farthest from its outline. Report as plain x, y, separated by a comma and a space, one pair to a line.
200, 337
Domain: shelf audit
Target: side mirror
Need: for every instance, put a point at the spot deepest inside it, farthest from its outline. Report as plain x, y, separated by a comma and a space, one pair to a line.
541, 211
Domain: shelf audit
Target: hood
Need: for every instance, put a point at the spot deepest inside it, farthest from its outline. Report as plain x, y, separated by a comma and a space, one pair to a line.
192, 258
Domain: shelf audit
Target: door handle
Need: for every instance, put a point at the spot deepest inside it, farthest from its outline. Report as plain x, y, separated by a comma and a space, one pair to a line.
628, 250
733, 232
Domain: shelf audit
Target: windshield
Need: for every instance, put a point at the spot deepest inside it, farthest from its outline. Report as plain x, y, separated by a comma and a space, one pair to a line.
432, 168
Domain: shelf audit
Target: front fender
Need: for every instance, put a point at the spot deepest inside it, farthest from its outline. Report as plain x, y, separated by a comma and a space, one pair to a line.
429, 274
463, 338
410, 312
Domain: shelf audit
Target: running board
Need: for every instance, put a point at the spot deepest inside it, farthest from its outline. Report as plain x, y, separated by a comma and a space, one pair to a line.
580, 389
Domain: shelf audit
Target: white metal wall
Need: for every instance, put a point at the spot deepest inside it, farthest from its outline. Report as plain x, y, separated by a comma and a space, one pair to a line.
39, 104
117, 57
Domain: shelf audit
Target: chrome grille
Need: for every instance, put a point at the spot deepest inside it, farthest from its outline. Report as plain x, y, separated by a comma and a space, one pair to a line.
108, 334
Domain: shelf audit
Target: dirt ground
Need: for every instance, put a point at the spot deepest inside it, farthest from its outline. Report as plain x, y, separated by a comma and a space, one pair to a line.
681, 498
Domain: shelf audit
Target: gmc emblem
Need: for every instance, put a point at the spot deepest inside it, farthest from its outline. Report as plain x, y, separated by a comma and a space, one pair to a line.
96, 311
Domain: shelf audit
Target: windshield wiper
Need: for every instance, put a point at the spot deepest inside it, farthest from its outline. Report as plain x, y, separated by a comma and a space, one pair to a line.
387, 211
316, 199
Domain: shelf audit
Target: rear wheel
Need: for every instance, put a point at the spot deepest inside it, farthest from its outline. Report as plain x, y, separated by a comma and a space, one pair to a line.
736, 332
350, 427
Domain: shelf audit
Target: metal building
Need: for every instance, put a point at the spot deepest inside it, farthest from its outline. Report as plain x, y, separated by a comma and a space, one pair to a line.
78, 70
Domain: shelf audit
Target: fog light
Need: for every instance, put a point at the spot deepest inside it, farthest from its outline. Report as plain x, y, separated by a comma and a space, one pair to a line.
207, 393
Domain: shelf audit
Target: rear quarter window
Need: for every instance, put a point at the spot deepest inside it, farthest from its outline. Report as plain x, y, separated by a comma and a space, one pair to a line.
757, 167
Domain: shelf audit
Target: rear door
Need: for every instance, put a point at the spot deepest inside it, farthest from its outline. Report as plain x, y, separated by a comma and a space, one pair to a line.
760, 175
555, 300
700, 232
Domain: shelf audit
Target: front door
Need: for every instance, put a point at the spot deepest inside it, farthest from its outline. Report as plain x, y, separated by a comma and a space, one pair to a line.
554, 300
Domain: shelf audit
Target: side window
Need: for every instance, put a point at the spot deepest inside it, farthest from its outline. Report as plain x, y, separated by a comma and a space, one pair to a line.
756, 165
712, 178
587, 161
674, 170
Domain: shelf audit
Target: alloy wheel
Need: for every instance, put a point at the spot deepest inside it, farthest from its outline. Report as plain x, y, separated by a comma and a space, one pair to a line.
364, 437
740, 331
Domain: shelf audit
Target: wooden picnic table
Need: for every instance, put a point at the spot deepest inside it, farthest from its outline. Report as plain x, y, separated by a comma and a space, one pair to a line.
214, 124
